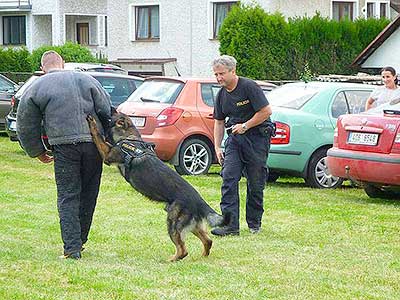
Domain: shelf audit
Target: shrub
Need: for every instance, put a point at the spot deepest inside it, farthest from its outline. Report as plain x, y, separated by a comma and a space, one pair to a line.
269, 47
14, 60
70, 52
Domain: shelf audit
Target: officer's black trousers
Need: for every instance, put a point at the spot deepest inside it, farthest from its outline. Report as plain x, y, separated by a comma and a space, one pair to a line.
77, 169
244, 152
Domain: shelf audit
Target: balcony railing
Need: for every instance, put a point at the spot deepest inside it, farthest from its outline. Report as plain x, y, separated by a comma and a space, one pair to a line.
12, 4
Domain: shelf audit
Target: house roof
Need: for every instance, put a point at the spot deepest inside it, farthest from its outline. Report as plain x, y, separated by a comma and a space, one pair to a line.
395, 4
377, 42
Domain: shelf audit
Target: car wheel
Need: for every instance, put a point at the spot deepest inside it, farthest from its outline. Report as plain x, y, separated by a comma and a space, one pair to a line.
195, 158
318, 175
376, 192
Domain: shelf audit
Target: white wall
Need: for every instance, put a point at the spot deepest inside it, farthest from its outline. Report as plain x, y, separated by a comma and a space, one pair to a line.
386, 54
41, 30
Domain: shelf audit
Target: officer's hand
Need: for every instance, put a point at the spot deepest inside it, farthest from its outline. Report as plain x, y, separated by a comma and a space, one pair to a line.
238, 129
220, 155
45, 158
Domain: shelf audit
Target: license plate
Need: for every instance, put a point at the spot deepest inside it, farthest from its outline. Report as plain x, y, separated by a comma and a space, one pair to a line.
361, 138
138, 121
13, 126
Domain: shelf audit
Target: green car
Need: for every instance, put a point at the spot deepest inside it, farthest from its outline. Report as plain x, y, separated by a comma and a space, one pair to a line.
305, 115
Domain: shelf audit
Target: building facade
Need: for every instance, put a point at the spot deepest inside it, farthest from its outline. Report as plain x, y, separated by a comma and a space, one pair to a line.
160, 37
34, 23
173, 37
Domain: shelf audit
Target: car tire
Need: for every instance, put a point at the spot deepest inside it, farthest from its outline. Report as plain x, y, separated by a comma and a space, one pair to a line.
318, 175
195, 158
376, 192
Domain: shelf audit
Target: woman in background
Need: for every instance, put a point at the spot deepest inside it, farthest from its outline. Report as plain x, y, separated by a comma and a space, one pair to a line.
386, 93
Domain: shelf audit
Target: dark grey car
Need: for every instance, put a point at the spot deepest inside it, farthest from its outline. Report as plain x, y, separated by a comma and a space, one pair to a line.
7, 90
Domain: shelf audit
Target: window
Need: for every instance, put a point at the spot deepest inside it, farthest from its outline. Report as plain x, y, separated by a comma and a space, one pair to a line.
147, 22
339, 106
14, 30
352, 102
105, 31
118, 88
342, 10
5, 85
384, 10
209, 93
220, 11
377, 9
293, 95
82, 30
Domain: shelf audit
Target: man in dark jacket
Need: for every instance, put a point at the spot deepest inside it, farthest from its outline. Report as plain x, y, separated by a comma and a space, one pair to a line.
61, 100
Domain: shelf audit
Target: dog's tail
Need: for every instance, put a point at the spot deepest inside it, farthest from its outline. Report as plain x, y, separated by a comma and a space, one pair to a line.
214, 219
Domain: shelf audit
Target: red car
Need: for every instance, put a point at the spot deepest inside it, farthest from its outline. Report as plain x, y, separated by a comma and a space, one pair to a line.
366, 149
176, 114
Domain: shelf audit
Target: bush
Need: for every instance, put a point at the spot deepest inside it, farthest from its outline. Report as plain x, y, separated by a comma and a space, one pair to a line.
14, 60
269, 47
70, 52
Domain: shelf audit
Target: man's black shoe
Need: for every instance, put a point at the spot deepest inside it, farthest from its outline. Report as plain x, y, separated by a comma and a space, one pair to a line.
76, 255
225, 230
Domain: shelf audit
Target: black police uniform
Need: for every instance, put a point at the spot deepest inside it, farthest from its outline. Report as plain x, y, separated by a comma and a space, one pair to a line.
248, 151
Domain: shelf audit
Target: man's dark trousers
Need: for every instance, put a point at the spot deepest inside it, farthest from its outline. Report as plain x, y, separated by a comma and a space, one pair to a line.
77, 169
247, 151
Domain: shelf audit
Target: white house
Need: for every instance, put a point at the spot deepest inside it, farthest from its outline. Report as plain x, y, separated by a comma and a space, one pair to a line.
33, 23
382, 51
181, 37
167, 37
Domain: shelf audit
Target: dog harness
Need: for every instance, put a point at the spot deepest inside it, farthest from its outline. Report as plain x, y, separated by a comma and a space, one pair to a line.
135, 150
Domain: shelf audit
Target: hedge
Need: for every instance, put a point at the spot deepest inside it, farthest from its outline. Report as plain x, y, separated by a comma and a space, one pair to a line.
269, 47
20, 60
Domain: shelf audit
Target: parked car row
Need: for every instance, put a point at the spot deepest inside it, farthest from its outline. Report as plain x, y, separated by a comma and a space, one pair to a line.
176, 114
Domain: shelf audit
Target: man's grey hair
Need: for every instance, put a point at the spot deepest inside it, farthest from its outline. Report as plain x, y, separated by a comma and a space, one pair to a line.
225, 60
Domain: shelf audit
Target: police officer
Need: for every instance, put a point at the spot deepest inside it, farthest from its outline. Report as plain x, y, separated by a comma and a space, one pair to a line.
242, 108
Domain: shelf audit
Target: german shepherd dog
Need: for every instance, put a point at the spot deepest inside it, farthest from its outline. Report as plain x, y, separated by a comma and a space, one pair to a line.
137, 162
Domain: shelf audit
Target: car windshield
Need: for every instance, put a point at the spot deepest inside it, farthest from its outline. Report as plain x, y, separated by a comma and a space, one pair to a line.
292, 96
393, 105
157, 91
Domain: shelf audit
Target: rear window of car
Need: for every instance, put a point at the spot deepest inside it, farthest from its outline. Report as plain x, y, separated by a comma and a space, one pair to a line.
157, 91
5, 85
119, 89
292, 96
209, 93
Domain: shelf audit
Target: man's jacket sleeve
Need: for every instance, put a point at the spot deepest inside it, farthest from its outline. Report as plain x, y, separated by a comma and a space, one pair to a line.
29, 125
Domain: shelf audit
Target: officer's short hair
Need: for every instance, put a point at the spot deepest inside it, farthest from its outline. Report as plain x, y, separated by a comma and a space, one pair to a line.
225, 60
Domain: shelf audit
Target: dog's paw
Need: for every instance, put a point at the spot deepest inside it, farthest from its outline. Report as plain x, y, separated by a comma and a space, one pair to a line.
91, 122
90, 119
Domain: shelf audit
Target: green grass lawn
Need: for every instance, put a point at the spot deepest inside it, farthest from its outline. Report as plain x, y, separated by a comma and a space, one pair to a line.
314, 244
